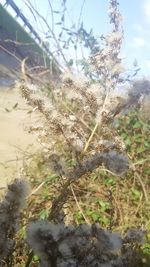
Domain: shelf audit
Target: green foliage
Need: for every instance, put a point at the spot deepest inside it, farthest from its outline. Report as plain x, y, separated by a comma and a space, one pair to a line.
135, 194
135, 133
95, 215
114, 202
145, 251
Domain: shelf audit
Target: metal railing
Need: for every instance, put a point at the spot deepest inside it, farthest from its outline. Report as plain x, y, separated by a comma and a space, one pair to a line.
27, 24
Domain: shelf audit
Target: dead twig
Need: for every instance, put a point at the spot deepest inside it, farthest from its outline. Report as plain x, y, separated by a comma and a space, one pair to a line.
34, 191
139, 205
78, 205
142, 185
90, 138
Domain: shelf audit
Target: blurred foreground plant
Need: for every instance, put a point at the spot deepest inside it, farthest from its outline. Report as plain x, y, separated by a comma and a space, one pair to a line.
10, 209
61, 245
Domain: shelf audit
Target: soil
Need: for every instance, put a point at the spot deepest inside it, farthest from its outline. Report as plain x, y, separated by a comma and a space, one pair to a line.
16, 144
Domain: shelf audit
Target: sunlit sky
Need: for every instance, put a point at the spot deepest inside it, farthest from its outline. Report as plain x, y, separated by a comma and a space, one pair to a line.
136, 23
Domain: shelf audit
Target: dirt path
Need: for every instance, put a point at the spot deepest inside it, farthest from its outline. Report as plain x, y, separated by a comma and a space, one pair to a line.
15, 142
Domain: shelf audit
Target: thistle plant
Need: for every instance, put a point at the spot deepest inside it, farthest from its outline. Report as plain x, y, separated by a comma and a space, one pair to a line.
78, 112
10, 210
106, 61
76, 131
84, 245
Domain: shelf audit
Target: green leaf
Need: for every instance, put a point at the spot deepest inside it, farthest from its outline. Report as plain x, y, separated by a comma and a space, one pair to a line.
94, 177
140, 149
43, 214
36, 258
135, 193
124, 135
147, 171
103, 204
128, 142
95, 216
104, 220
109, 181
137, 125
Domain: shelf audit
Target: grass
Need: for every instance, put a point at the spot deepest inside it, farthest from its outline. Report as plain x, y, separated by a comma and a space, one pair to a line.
105, 198
116, 203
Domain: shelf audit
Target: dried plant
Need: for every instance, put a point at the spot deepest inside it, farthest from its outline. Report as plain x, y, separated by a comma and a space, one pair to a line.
77, 134
70, 127
106, 61
78, 112
85, 245
77, 116
113, 161
61, 245
10, 209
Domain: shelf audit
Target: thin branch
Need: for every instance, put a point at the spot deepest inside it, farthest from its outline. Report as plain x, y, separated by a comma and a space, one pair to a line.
81, 11
52, 14
78, 205
11, 54
90, 138
79, 119
139, 205
53, 34
35, 190
143, 186
16, 42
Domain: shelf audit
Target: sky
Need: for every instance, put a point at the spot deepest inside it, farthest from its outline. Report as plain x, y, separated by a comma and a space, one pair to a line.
136, 24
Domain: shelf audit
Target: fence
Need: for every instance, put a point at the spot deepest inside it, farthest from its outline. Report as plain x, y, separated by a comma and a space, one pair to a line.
23, 40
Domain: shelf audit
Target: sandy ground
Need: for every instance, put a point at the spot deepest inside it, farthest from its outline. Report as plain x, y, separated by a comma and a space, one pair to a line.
15, 143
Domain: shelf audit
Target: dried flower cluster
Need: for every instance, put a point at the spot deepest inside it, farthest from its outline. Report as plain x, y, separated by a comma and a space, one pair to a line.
77, 118
60, 245
113, 161
85, 245
106, 61
68, 128
78, 113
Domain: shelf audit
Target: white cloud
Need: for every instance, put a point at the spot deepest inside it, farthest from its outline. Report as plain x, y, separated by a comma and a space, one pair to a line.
138, 28
147, 10
146, 63
138, 42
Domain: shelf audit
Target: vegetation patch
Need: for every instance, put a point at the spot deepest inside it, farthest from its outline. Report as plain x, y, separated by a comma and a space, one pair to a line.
89, 201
